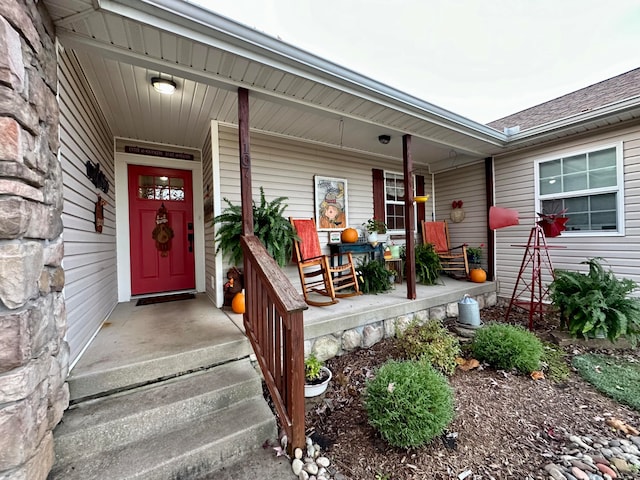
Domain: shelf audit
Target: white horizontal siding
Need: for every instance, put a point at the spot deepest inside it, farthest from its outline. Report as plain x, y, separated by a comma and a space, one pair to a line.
467, 184
90, 257
287, 168
208, 187
514, 188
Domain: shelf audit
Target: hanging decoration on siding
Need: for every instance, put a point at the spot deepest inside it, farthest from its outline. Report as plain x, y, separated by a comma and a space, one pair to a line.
96, 176
457, 213
163, 233
99, 214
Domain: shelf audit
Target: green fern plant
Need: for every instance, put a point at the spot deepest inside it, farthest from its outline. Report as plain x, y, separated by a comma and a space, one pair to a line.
597, 301
271, 227
372, 276
427, 264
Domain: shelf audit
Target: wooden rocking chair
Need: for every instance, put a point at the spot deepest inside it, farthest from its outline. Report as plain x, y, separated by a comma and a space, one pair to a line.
316, 273
453, 259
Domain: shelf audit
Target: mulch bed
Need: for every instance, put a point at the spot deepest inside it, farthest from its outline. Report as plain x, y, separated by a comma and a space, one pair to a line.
508, 426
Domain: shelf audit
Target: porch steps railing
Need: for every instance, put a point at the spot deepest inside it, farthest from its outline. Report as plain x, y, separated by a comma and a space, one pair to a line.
181, 428
273, 323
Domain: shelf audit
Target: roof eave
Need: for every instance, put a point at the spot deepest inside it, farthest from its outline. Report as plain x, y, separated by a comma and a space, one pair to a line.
574, 123
279, 54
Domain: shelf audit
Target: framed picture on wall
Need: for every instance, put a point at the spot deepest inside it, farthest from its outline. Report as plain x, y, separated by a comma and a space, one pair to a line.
330, 203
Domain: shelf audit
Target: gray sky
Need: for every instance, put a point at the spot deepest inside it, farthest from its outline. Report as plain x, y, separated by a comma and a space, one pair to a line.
483, 59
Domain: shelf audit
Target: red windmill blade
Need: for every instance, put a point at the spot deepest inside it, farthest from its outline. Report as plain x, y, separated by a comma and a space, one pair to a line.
553, 224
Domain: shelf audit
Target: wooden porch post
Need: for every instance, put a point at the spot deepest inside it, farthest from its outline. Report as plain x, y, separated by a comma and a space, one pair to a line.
244, 145
491, 238
409, 217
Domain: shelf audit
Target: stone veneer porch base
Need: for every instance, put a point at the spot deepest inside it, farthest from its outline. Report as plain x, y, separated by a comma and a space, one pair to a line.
328, 336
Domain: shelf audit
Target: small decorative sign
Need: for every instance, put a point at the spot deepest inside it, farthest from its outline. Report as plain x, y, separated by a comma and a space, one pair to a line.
334, 237
98, 178
154, 152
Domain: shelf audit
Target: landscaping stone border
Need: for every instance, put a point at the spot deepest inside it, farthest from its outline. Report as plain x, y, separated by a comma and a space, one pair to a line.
339, 342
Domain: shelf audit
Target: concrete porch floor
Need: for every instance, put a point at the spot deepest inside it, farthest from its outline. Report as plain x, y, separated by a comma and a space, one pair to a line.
141, 334
139, 345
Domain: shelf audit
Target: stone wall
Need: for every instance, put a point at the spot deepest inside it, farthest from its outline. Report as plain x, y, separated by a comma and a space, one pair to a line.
33, 353
339, 342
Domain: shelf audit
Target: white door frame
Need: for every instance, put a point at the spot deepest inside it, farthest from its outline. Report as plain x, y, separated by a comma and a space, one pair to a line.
122, 216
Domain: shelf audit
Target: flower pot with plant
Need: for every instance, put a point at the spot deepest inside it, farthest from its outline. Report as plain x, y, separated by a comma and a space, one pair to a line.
474, 257
269, 224
428, 264
372, 275
596, 303
373, 228
316, 376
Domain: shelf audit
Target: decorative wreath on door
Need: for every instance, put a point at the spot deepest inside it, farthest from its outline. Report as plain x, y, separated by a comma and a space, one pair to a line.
163, 233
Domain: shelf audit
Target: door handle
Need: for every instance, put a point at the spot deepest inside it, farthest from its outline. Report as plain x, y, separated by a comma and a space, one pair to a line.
190, 239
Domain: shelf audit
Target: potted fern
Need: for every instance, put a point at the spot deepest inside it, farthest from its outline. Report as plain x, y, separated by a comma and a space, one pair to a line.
269, 224
596, 303
316, 376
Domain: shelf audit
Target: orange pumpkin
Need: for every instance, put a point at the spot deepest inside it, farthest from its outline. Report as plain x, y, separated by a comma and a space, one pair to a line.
349, 235
237, 304
478, 275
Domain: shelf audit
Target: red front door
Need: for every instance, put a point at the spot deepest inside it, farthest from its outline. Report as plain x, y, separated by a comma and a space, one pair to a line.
161, 229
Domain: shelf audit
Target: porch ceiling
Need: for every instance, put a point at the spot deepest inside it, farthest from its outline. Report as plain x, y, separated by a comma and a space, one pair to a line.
121, 44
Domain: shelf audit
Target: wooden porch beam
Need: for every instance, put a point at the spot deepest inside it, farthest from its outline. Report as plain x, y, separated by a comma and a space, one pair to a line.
244, 145
409, 217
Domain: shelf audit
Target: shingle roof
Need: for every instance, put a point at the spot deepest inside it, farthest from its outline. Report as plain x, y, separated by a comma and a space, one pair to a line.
615, 89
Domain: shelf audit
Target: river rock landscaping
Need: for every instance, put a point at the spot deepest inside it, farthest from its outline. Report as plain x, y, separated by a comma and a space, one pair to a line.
507, 425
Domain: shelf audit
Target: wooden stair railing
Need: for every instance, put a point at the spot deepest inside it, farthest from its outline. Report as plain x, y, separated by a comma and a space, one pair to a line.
273, 322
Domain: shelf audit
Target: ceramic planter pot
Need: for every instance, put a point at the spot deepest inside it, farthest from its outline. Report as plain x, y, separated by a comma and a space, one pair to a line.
314, 389
372, 238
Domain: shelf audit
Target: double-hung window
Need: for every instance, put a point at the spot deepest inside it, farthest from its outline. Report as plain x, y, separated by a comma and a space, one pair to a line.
394, 200
588, 185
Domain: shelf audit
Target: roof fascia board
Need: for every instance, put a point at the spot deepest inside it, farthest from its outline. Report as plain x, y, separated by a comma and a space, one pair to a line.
191, 21
543, 132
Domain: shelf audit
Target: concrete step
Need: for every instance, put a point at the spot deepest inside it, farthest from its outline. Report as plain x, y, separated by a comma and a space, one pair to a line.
109, 422
201, 446
96, 383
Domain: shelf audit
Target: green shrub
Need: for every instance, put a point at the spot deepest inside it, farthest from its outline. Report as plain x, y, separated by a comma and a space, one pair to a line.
372, 276
409, 403
597, 302
427, 264
507, 347
431, 342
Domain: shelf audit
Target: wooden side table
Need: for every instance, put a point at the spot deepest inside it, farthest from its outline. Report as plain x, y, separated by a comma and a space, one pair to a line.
339, 249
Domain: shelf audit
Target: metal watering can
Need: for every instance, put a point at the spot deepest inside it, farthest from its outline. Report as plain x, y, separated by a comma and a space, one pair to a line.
468, 311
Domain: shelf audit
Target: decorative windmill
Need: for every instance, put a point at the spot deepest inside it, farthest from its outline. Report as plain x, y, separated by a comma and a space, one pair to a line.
529, 293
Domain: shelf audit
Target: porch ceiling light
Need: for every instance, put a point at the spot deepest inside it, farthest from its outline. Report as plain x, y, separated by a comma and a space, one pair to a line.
163, 85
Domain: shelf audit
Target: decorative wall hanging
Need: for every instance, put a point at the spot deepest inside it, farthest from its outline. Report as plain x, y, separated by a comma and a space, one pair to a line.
331, 203
163, 233
457, 213
99, 214
96, 176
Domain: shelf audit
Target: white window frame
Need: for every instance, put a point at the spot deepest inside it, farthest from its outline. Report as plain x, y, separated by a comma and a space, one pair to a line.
618, 189
396, 202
